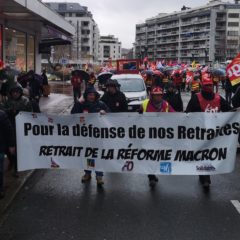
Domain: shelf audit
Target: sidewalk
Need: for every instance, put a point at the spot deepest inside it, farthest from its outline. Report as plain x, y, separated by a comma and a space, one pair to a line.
55, 104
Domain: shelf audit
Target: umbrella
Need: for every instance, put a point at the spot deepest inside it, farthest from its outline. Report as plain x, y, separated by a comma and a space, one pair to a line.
81, 73
147, 72
220, 72
157, 73
103, 77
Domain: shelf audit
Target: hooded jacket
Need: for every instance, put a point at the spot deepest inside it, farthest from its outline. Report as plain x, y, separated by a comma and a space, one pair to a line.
13, 106
90, 107
116, 102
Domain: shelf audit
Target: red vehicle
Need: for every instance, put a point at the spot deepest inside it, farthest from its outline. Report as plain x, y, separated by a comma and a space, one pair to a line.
128, 66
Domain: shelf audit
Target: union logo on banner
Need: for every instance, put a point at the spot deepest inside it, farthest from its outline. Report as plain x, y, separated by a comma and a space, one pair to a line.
233, 71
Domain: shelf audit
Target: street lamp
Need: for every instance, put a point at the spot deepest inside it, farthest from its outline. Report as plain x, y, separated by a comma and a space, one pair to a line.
142, 53
193, 57
206, 56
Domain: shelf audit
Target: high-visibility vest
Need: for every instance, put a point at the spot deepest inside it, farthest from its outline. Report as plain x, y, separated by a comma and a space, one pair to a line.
195, 86
165, 80
146, 102
209, 105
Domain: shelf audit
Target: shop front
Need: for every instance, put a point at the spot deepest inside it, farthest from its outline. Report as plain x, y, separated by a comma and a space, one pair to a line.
24, 28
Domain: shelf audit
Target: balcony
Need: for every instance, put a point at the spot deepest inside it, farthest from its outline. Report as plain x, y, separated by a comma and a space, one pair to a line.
223, 19
140, 31
151, 30
168, 26
200, 21
220, 28
150, 50
186, 23
151, 43
187, 39
85, 27
151, 36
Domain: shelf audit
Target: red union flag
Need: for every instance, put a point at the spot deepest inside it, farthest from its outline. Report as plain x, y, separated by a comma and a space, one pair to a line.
233, 71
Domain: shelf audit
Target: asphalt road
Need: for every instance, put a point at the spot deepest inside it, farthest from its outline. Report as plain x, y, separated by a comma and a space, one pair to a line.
54, 204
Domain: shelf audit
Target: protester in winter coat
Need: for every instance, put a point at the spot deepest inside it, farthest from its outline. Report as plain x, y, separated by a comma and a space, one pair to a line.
92, 80
173, 98
236, 98
114, 98
207, 101
236, 103
45, 85
177, 80
228, 90
91, 104
6, 142
76, 83
155, 104
15, 104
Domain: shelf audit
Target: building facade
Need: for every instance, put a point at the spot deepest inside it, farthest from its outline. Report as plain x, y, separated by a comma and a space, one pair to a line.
205, 34
109, 47
27, 29
85, 46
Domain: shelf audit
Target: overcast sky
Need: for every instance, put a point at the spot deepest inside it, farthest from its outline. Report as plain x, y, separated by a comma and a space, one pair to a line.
120, 17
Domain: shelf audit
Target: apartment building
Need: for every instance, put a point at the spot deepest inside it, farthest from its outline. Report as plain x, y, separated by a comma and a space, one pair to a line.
109, 47
85, 45
206, 34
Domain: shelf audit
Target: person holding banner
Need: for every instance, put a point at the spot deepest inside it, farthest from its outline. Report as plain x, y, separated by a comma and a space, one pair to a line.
173, 97
236, 102
91, 104
207, 101
114, 98
155, 104
6, 142
236, 98
15, 104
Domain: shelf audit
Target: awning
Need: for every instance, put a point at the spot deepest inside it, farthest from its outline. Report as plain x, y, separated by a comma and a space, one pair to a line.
35, 15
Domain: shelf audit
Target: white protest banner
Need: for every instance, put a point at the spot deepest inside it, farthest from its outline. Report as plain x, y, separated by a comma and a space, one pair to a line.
149, 143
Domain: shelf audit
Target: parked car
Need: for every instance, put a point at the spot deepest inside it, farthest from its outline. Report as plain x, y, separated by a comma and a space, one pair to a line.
133, 86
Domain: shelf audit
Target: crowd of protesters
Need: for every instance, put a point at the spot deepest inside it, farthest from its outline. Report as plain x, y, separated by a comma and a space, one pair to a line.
18, 92
164, 88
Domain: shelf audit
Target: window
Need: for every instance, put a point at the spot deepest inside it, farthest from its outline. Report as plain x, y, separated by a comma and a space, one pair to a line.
232, 42
30, 53
85, 24
232, 33
70, 14
15, 47
233, 15
62, 7
233, 24
85, 49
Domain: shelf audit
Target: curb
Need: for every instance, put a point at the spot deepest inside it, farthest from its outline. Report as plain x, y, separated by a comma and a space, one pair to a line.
22, 183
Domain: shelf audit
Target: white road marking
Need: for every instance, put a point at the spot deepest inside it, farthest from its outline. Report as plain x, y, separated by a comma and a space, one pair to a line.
236, 204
